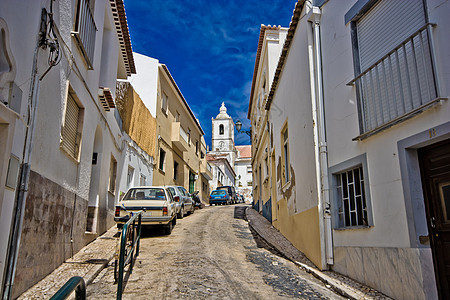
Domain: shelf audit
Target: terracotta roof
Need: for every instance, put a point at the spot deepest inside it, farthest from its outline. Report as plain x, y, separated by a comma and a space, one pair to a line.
244, 151
120, 20
287, 44
258, 57
182, 98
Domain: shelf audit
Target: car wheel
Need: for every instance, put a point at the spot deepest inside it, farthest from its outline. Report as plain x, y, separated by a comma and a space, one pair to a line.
168, 228
181, 213
175, 220
192, 208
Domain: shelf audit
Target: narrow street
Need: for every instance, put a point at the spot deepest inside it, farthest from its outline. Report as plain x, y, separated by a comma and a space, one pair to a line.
210, 255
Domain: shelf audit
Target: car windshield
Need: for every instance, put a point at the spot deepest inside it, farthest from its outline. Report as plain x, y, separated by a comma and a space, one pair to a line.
145, 194
217, 192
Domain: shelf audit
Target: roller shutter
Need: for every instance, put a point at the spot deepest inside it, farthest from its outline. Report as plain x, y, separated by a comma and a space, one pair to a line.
70, 139
384, 26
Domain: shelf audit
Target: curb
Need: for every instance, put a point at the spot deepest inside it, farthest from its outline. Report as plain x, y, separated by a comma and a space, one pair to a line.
336, 285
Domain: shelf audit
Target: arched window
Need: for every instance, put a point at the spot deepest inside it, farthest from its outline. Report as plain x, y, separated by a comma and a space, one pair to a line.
221, 129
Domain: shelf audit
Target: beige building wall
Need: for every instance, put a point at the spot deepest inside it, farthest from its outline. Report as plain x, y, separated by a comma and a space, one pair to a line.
178, 135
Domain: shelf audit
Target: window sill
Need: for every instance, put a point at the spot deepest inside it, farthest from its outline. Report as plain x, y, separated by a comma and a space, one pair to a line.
162, 171
112, 193
68, 154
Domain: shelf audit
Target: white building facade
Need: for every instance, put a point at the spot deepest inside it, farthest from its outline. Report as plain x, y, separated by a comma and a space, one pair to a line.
367, 117
59, 64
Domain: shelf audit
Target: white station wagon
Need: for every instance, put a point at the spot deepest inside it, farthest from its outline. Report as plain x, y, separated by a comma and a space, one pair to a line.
156, 202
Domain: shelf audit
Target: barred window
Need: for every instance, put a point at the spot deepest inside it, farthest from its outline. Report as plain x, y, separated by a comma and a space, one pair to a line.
352, 208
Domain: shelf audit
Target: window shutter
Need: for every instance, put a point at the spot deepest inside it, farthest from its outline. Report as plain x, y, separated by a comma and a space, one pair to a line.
385, 25
70, 130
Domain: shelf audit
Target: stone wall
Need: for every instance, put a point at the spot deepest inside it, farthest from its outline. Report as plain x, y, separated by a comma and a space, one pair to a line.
49, 226
401, 273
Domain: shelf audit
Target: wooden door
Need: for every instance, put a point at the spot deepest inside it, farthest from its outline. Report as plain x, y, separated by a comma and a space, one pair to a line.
435, 171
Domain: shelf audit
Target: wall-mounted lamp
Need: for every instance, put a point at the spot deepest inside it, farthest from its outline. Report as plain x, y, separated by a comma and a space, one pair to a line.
239, 127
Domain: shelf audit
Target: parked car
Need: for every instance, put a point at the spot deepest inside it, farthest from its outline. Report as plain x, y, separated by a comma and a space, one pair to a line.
231, 191
183, 200
219, 197
156, 202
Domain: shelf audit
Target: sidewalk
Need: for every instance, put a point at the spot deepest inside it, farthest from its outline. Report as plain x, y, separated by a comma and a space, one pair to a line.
341, 284
87, 263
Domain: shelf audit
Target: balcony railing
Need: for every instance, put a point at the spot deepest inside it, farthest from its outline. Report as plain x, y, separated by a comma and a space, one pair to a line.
398, 85
84, 31
179, 137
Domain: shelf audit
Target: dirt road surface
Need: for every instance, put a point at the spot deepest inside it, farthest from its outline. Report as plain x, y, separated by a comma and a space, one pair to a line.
211, 254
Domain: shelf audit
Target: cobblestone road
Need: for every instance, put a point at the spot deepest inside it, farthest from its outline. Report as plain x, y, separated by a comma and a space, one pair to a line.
210, 255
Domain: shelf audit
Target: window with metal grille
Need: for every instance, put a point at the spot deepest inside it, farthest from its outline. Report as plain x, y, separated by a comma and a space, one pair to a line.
351, 202
395, 76
71, 131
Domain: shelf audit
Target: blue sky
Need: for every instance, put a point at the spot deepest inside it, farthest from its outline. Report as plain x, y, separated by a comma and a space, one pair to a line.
209, 47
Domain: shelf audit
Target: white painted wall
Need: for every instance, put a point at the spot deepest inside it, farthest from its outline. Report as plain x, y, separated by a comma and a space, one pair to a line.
387, 195
292, 103
145, 81
48, 159
141, 163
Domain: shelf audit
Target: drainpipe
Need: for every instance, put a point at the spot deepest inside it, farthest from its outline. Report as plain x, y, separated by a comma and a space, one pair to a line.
33, 99
22, 191
316, 79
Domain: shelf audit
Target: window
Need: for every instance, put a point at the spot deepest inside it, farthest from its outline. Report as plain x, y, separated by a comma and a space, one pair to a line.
112, 175
71, 131
285, 154
164, 103
162, 159
249, 169
352, 208
196, 148
175, 170
266, 165
221, 130
202, 155
143, 180
189, 137
249, 183
85, 30
130, 175
177, 117
393, 63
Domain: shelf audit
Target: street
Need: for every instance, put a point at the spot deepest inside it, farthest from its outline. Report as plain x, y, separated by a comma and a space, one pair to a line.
211, 254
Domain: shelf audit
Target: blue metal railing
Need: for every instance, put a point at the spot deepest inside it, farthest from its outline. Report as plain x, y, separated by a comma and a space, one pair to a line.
76, 284
127, 249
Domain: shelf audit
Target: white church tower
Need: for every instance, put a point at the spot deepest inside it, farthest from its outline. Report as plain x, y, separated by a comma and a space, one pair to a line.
223, 135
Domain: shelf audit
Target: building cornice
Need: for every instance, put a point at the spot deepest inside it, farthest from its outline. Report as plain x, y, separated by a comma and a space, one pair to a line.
287, 44
120, 21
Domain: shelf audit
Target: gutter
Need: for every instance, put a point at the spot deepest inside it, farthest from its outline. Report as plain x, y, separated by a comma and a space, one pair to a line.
320, 141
